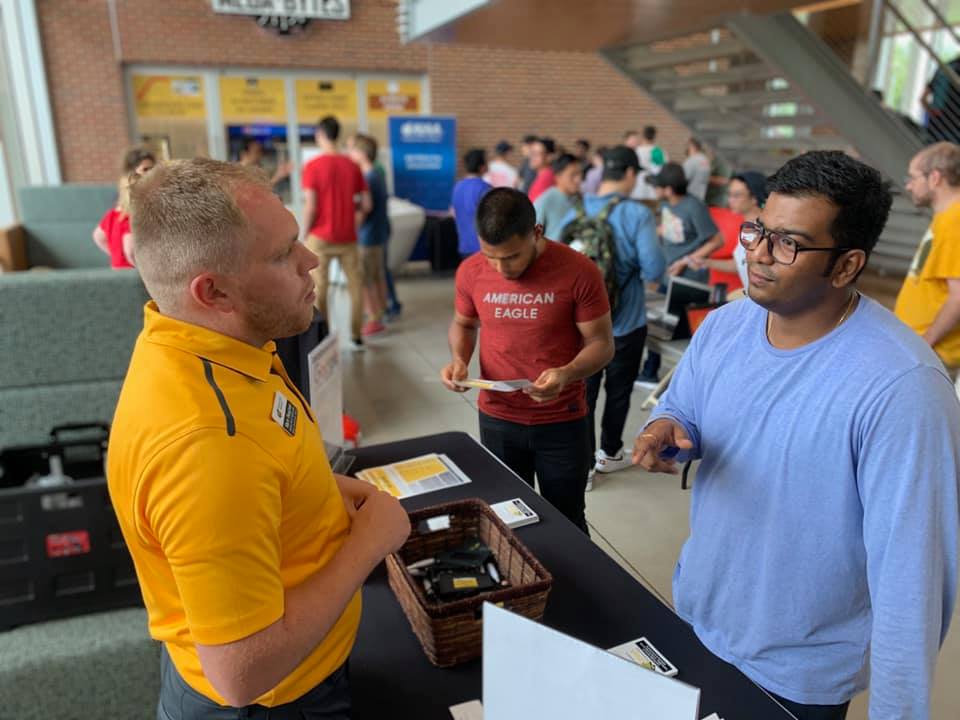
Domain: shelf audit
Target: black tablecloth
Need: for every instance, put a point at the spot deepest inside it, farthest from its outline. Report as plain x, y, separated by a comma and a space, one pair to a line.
593, 599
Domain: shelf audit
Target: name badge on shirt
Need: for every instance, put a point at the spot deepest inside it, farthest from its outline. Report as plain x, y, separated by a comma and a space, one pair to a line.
284, 413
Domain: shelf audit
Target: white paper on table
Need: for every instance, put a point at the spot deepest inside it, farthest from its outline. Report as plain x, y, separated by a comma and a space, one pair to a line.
472, 710
531, 671
495, 385
326, 389
416, 476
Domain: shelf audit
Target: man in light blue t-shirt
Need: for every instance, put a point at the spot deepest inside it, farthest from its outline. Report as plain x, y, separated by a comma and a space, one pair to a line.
637, 261
822, 554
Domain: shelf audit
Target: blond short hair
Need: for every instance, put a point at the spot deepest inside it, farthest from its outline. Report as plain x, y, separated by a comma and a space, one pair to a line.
943, 157
185, 220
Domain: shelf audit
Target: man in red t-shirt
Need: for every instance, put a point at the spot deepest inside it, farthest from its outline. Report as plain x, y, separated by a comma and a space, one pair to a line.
545, 317
336, 200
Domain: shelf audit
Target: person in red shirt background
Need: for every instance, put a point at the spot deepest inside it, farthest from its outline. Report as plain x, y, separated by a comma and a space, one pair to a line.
541, 159
336, 199
746, 196
545, 317
113, 235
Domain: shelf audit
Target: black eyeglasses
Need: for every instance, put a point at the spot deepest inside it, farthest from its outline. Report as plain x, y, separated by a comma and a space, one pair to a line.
782, 248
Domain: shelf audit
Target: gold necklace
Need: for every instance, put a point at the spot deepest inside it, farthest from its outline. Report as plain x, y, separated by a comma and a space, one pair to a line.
846, 313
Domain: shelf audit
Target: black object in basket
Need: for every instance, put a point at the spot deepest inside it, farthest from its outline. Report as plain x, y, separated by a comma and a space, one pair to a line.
452, 632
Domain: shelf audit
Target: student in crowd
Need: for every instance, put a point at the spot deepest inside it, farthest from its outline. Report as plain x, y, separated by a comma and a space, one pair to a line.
500, 172
336, 199
541, 156
717, 185
553, 206
929, 301
467, 194
638, 260
594, 173
112, 234
822, 555
687, 234
652, 158
542, 314
581, 151
697, 169
251, 154
250, 552
745, 200
373, 234
527, 174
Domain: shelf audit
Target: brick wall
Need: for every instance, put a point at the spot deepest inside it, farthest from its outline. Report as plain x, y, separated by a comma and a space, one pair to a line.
494, 93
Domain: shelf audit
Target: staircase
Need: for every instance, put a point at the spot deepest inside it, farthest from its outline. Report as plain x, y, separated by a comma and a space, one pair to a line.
763, 89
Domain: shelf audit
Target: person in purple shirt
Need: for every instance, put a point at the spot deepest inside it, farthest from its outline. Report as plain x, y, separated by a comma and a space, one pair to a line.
467, 194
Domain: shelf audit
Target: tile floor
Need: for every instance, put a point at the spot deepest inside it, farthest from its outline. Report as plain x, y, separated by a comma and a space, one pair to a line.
393, 390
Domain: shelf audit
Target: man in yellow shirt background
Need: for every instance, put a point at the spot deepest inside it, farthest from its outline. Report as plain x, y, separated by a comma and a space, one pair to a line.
929, 301
250, 552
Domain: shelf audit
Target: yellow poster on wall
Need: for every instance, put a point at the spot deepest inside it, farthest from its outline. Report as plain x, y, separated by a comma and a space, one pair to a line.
169, 97
253, 100
393, 97
317, 97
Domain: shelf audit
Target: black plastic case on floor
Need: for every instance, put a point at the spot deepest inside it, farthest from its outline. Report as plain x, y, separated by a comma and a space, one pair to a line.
61, 550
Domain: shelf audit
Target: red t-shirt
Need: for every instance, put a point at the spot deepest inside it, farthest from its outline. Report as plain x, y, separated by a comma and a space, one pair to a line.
543, 182
528, 325
115, 224
336, 180
728, 222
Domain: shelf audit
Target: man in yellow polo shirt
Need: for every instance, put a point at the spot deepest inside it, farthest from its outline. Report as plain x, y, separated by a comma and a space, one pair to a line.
929, 301
250, 552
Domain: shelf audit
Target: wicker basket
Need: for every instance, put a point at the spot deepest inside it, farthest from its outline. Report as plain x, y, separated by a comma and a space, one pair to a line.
452, 632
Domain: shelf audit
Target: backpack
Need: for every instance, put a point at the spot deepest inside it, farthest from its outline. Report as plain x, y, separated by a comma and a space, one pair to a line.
593, 236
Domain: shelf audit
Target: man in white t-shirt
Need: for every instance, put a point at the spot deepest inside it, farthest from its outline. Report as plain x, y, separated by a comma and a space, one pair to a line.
500, 172
652, 158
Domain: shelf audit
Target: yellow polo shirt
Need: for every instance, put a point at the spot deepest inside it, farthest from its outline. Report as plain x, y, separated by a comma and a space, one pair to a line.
925, 290
225, 496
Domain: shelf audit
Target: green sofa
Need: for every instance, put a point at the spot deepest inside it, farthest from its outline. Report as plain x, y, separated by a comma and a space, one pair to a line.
58, 222
67, 332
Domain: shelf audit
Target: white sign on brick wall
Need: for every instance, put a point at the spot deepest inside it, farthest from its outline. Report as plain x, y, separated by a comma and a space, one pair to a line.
301, 9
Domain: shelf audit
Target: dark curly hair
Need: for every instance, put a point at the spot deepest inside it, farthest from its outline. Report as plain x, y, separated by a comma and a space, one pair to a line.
862, 196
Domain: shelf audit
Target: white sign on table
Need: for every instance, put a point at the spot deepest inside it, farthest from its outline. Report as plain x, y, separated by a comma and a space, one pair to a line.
532, 671
326, 389
306, 9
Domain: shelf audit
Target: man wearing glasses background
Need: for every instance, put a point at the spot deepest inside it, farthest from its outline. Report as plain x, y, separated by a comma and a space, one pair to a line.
929, 301
822, 554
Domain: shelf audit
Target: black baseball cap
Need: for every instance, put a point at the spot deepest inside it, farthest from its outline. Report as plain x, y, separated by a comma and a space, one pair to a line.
670, 175
621, 158
503, 147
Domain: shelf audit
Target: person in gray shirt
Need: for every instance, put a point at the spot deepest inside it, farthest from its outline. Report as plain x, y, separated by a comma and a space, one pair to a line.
553, 205
697, 170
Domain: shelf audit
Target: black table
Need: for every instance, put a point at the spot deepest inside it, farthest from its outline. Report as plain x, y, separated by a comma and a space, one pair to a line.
593, 599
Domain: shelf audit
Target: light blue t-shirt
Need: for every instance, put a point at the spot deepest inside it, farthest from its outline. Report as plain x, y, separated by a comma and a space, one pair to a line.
824, 517
551, 208
639, 259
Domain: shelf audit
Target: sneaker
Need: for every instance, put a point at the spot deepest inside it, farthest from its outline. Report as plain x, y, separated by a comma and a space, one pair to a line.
645, 382
608, 464
373, 327
393, 312
356, 345
590, 475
